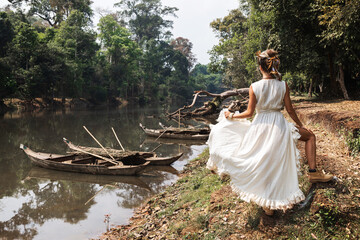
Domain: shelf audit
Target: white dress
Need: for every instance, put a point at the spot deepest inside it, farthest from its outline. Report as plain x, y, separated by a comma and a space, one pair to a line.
260, 156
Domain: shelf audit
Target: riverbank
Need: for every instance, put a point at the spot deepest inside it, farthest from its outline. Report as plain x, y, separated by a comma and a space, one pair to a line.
200, 205
38, 104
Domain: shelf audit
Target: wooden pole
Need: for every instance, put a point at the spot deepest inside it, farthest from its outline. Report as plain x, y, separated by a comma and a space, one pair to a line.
73, 147
117, 139
179, 118
162, 132
102, 189
156, 147
99, 143
160, 135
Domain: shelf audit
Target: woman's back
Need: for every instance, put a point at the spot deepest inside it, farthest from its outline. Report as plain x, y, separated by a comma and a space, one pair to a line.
269, 95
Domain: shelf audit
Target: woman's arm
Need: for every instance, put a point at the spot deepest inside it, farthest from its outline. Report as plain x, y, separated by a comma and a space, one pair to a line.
250, 109
289, 107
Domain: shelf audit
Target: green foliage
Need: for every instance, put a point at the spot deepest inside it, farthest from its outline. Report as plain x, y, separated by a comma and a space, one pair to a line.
7, 84
240, 37
352, 141
296, 82
328, 216
122, 54
316, 40
78, 44
52, 51
6, 32
202, 78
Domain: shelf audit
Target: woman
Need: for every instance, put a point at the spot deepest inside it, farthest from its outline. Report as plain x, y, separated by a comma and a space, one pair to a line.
261, 156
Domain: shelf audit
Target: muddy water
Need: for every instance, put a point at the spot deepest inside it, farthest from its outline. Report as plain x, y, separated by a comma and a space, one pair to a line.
37, 203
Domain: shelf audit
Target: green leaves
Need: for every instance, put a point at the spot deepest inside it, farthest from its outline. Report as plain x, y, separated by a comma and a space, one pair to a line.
52, 51
314, 38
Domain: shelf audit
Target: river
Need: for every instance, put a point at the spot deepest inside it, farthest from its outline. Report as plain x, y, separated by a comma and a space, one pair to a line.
37, 203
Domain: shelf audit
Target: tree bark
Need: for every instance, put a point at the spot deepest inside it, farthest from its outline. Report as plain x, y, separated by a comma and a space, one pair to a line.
311, 87
342, 82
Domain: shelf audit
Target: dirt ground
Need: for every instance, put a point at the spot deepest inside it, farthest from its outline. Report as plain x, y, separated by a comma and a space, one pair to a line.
202, 206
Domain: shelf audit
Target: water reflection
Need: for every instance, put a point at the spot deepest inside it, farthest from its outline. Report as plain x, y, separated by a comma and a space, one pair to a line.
35, 203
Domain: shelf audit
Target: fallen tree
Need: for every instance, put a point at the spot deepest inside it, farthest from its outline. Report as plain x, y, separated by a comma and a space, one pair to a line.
213, 106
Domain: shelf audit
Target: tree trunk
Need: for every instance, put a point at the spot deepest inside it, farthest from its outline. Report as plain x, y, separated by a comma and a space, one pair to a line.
311, 87
321, 85
342, 82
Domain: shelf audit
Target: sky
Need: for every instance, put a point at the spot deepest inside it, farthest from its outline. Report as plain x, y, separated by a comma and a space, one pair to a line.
193, 21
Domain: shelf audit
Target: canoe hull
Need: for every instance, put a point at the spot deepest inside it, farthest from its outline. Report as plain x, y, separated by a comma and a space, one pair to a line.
177, 136
52, 162
89, 169
165, 161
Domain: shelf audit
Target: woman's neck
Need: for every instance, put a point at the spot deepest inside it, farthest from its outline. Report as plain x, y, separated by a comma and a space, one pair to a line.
267, 76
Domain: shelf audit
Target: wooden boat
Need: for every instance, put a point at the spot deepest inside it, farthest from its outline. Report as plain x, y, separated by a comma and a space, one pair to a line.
119, 154
83, 163
178, 133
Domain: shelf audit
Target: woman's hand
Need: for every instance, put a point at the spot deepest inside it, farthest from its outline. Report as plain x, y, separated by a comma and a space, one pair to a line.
306, 129
227, 114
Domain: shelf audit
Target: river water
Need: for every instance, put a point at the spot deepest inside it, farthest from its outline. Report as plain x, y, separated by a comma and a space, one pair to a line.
37, 203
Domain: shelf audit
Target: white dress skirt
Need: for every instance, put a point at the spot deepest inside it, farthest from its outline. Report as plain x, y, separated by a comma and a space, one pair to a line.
260, 157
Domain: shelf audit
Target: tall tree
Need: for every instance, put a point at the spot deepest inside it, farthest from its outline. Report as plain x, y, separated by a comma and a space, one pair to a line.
185, 47
146, 18
339, 21
122, 54
238, 37
79, 45
56, 11
6, 36
23, 46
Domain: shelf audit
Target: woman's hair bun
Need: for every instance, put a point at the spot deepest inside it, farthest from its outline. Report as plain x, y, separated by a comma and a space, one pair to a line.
269, 62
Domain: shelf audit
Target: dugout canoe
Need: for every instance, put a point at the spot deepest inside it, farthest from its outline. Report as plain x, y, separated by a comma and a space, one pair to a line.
83, 163
141, 156
178, 133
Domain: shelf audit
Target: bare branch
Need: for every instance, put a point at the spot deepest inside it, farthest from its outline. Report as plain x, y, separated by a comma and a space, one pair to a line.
210, 106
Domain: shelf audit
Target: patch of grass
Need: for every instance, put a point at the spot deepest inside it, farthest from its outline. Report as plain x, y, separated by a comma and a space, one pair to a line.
352, 141
253, 216
202, 221
193, 197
